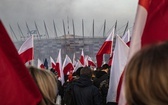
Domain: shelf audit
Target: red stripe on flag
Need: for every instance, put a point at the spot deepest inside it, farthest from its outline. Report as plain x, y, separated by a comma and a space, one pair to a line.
68, 68
82, 60
57, 68
42, 66
105, 49
90, 63
157, 22
145, 3
27, 55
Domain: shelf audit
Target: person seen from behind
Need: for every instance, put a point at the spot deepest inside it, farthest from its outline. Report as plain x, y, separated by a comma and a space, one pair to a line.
85, 93
47, 84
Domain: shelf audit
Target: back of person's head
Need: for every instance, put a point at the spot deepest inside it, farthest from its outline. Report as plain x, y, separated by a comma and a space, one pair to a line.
86, 71
105, 66
47, 84
54, 71
78, 71
146, 78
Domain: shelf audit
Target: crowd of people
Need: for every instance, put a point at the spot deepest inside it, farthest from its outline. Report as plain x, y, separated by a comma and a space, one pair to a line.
145, 81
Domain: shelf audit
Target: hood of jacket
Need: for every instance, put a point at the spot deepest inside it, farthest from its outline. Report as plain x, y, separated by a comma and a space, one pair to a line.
83, 81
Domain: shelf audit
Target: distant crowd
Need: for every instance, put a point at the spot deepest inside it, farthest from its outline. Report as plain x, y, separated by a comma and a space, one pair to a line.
145, 81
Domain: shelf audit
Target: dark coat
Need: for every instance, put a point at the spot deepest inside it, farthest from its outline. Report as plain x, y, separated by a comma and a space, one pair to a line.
102, 83
100, 76
85, 92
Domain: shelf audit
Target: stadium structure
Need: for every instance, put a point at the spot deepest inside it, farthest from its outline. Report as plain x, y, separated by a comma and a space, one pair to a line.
70, 43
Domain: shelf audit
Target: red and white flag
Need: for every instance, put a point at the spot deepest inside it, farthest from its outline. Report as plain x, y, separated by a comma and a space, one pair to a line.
67, 65
120, 56
82, 60
86, 60
78, 64
26, 51
40, 64
126, 38
58, 67
90, 62
16, 84
110, 60
52, 62
150, 27
106, 48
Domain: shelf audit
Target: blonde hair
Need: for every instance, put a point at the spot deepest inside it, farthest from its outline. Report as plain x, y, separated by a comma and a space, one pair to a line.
47, 84
146, 78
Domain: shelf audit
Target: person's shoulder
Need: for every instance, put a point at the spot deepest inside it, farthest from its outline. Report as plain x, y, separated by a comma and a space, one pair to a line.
94, 87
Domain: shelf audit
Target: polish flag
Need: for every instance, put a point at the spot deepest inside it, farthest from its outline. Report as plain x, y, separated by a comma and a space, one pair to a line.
40, 64
17, 87
110, 60
119, 61
86, 60
67, 65
52, 62
26, 50
126, 38
150, 27
78, 64
82, 60
90, 62
58, 67
106, 48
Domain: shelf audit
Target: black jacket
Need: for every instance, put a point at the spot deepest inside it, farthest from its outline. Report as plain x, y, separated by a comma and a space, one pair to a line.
100, 76
85, 92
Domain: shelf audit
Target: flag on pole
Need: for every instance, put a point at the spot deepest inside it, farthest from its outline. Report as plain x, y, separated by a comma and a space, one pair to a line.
110, 60
90, 62
126, 38
106, 48
58, 67
40, 64
82, 60
150, 27
67, 65
16, 85
52, 62
86, 60
119, 61
78, 64
26, 50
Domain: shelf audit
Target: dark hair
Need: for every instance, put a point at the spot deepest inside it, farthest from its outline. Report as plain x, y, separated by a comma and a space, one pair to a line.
77, 73
53, 71
86, 71
105, 66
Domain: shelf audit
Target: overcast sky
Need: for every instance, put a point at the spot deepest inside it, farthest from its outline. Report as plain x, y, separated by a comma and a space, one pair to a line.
21, 11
